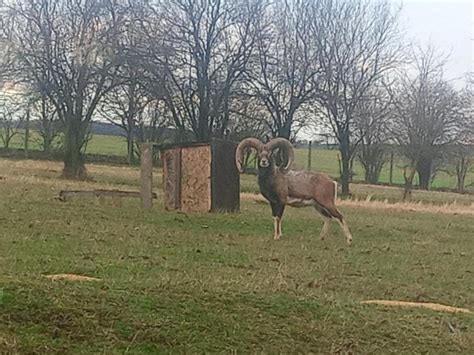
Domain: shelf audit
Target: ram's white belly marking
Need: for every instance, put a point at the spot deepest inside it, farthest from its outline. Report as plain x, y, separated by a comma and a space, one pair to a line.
299, 202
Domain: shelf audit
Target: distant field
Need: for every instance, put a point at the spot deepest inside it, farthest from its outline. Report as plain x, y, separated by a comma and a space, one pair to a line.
99, 144
322, 160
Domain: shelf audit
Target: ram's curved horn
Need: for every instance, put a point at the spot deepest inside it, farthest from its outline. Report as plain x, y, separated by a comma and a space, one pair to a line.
247, 142
284, 145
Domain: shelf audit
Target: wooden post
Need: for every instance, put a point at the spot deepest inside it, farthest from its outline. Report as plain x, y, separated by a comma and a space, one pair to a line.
309, 155
391, 169
146, 174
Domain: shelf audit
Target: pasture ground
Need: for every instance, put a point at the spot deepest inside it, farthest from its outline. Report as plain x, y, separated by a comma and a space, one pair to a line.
173, 282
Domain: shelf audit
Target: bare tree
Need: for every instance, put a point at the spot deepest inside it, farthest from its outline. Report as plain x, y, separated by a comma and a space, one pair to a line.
12, 111
462, 151
248, 119
46, 121
426, 113
6, 48
152, 123
408, 175
463, 154
123, 106
283, 70
199, 59
358, 42
372, 118
65, 48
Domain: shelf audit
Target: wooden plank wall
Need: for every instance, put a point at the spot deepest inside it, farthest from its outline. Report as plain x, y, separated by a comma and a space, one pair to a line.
201, 178
196, 179
172, 178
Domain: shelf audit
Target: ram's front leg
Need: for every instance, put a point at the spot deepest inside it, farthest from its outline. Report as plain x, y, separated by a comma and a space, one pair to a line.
277, 212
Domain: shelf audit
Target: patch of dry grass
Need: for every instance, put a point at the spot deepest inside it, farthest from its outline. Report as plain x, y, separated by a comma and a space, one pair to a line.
453, 208
394, 194
71, 277
47, 173
433, 306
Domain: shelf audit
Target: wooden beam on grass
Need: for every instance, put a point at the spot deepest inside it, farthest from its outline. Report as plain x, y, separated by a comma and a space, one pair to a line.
64, 195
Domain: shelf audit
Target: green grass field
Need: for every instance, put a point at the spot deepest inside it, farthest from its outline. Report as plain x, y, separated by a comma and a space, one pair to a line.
207, 283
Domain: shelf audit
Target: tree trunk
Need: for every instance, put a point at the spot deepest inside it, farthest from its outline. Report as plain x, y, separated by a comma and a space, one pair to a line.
8, 137
351, 168
408, 175
74, 167
460, 183
461, 172
390, 179
204, 131
225, 118
130, 146
27, 133
344, 148
424, 169
372, 171
345, 177
131, 112
371, 175
285, 130
47, 127
47, 140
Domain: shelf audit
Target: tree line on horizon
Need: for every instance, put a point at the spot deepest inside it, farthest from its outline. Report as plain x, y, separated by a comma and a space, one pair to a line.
231, 69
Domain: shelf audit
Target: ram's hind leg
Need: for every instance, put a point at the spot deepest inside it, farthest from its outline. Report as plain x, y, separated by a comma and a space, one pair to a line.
329, 213
342, 222
326, 220
325, 229
345, 228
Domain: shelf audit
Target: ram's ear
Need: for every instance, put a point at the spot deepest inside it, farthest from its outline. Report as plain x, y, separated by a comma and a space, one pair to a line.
285, 146
246, 143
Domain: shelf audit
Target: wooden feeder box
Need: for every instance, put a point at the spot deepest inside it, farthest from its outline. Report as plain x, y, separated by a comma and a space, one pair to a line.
201, 177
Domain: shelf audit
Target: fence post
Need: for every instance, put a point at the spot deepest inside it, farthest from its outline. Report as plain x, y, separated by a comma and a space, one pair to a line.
146, 174
27, 133
309, 155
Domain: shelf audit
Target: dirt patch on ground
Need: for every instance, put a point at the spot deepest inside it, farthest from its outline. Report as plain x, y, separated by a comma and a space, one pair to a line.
433, 306
71, 277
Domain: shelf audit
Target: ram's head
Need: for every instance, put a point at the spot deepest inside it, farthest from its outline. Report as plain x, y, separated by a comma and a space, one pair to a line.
266, 153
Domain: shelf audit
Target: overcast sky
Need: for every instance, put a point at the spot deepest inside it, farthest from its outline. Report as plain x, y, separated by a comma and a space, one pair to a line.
448, 25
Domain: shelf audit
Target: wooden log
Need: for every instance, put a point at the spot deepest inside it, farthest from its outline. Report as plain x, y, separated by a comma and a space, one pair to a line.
433, 306
146, 175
